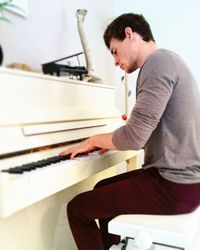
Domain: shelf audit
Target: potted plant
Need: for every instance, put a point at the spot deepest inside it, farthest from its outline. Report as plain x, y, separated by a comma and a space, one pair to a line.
3, 6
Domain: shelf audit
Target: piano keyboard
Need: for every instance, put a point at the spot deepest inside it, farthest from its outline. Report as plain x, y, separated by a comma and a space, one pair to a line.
46, 177
35, 165
24, 168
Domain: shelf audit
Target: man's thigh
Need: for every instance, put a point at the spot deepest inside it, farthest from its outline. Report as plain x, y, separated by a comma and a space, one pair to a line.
139, 193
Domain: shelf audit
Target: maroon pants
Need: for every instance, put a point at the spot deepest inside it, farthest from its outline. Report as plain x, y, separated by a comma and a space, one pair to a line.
136, 192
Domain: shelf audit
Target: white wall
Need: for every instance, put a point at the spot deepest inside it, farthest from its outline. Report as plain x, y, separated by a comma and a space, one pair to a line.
175, 25
50, 32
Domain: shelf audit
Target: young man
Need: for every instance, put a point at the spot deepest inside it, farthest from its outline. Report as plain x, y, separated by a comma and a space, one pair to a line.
164, 121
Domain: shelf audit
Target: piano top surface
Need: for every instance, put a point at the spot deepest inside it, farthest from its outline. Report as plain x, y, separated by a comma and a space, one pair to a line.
4, 70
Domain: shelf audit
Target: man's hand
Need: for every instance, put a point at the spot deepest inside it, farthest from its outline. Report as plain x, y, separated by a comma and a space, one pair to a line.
103, 142
84, 147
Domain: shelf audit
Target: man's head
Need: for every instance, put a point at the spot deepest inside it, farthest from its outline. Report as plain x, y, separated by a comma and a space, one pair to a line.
130, 41
138, 24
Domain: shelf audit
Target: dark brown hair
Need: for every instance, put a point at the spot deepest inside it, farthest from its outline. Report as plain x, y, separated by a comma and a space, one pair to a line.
116, 29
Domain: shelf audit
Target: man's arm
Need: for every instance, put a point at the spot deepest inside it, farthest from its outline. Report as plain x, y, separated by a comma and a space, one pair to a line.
102, 141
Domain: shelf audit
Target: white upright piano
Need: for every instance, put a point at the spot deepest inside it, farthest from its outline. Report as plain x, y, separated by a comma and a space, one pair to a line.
40, 116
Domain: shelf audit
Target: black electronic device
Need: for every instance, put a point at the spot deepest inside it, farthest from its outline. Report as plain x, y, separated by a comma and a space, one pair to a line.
54, 67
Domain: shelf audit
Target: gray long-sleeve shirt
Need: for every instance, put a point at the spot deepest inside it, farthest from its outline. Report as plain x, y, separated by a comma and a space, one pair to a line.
165, 120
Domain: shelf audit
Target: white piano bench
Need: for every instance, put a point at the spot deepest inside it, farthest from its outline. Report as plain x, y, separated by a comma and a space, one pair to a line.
157, 232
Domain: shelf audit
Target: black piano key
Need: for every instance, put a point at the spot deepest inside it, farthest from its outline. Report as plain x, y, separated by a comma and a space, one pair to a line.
54, 159
40, 164
64, 157
27, 167
13, 170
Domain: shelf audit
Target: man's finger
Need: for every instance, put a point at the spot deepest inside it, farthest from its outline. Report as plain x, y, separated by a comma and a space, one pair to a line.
72, 156
65, 152
103, 150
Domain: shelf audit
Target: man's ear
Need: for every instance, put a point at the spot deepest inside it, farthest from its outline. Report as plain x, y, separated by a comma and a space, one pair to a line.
128, 32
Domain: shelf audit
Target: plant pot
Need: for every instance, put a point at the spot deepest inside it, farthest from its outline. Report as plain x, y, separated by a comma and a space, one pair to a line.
1, 55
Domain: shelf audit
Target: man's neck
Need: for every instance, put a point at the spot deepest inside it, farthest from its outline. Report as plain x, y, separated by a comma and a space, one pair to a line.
146, 50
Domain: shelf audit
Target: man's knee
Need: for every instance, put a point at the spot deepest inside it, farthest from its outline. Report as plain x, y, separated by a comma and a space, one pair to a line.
74, 205
99, 184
